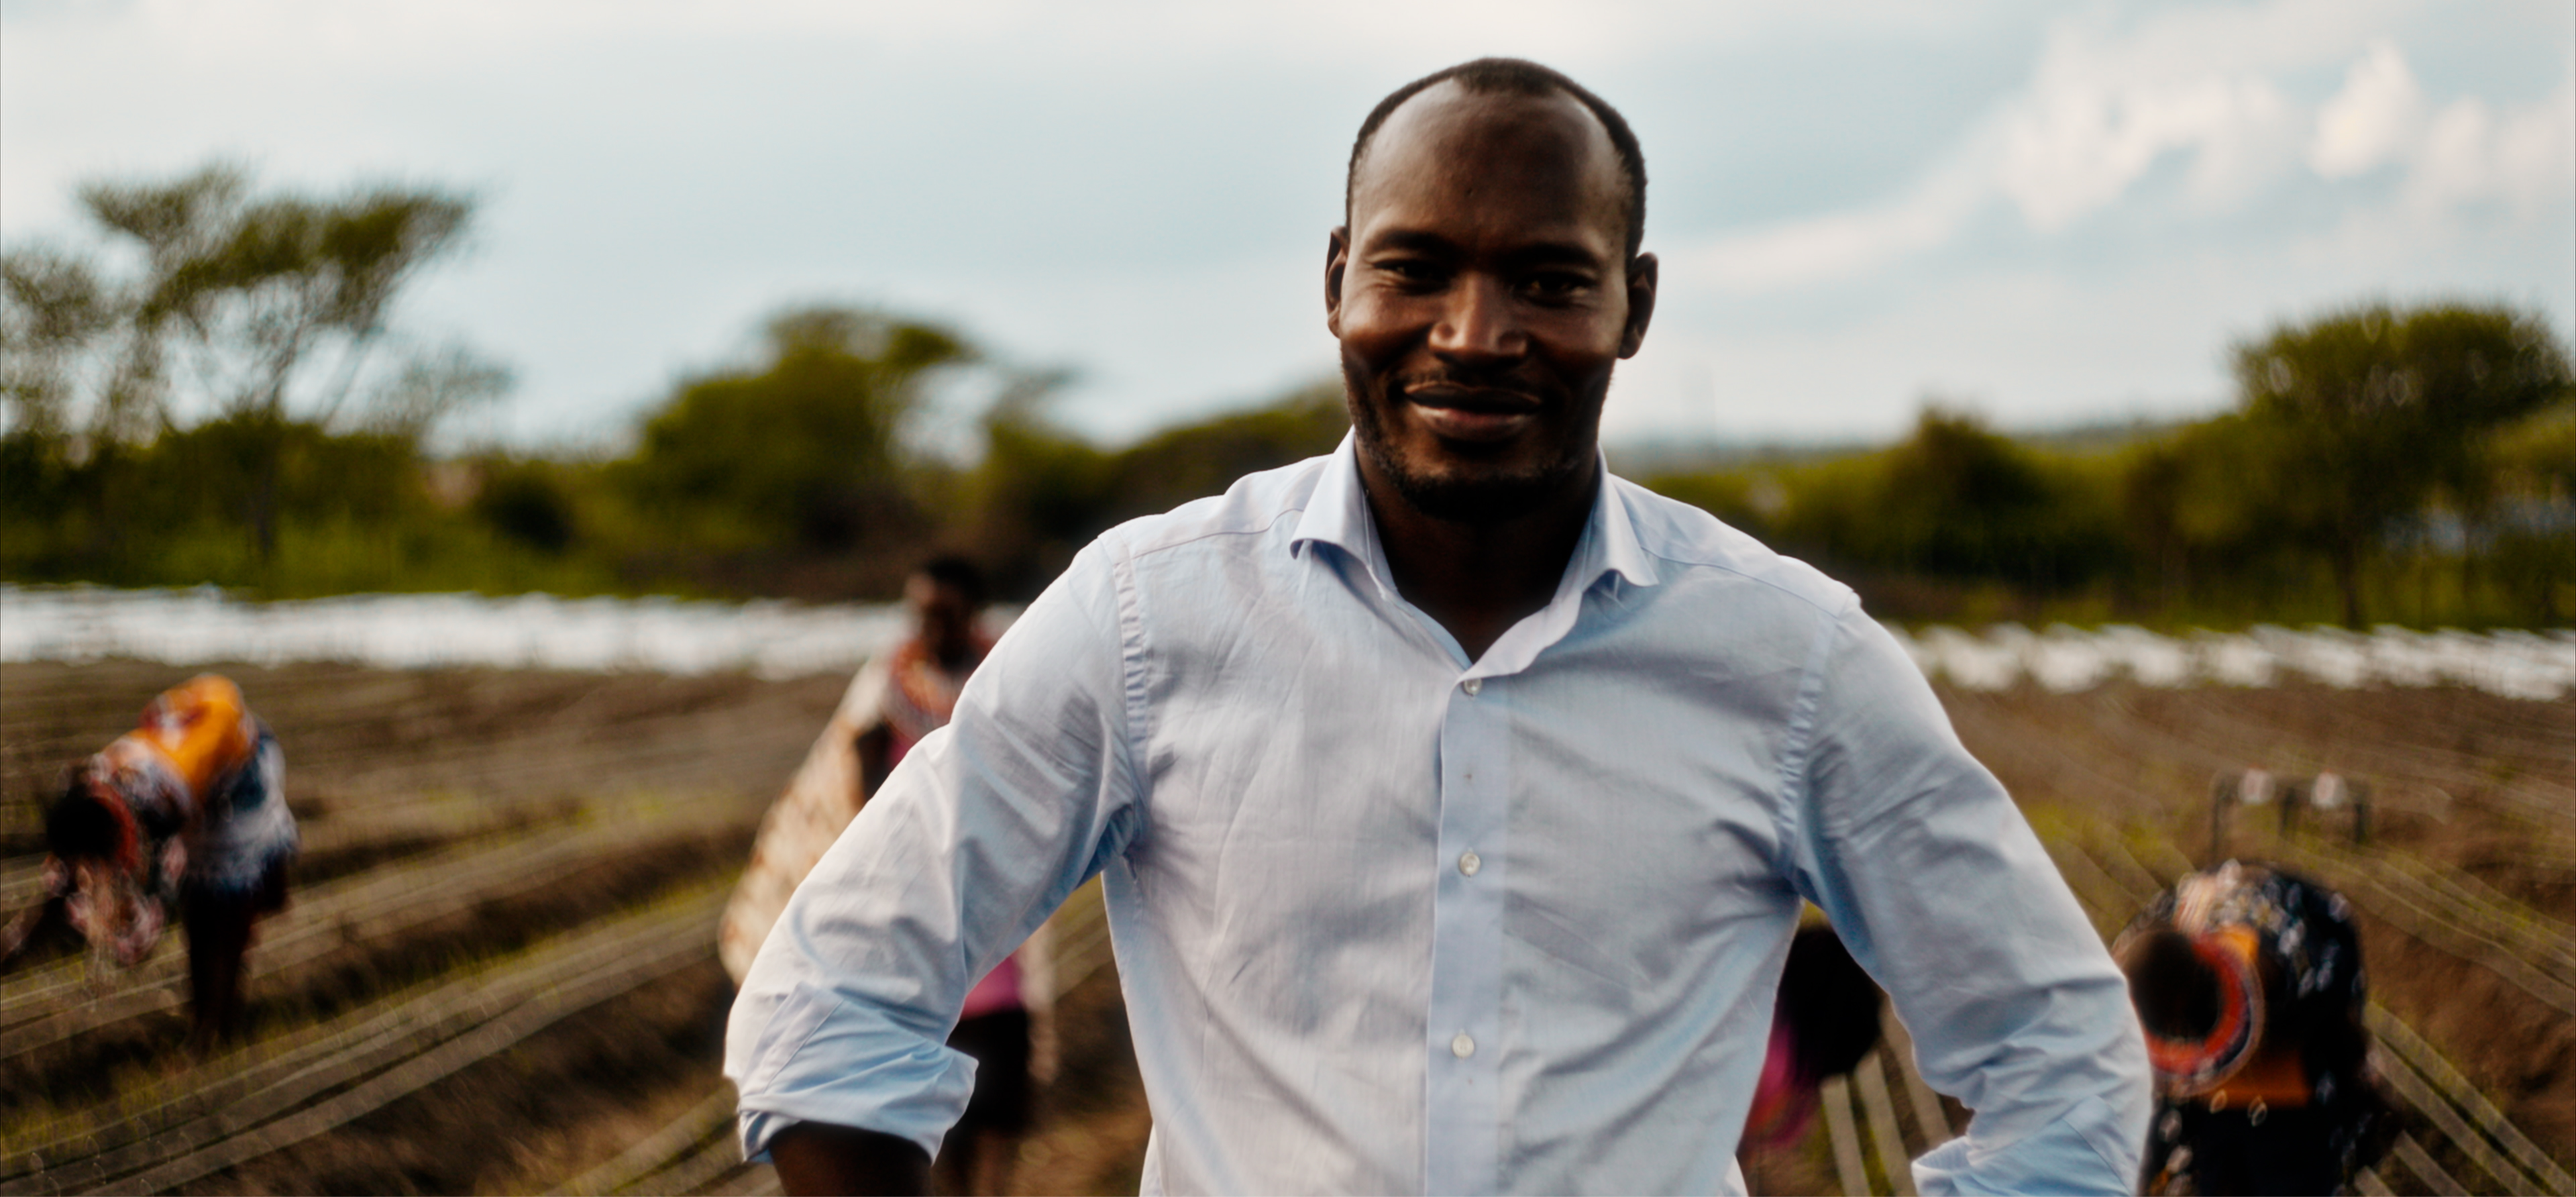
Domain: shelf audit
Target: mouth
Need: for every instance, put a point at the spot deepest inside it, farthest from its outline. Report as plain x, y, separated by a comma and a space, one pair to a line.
1469, 413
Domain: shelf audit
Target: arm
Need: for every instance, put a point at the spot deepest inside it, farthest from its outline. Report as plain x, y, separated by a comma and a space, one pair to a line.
27, 924
874, 745
1938, 886
816, 1158
808, 815
975, 838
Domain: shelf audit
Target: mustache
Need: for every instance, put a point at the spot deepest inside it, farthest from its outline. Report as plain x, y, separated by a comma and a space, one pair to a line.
1472, 390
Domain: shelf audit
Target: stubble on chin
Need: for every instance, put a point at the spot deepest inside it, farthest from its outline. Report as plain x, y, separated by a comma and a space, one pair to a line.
1470, 492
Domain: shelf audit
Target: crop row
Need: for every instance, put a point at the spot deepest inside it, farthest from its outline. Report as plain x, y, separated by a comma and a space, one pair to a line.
322, 1078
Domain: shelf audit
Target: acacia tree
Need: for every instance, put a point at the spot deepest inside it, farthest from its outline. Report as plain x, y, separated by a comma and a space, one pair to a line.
262, 310
2370, 413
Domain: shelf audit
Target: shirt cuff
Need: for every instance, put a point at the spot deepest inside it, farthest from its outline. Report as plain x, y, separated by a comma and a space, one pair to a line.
2089, 1149
757, 1128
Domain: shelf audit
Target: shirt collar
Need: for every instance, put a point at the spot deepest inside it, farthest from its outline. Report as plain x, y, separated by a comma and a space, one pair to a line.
1337, 514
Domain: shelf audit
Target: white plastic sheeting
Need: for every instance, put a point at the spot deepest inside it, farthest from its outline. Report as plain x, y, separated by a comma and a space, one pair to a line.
404, 631
776, 639
2516, 664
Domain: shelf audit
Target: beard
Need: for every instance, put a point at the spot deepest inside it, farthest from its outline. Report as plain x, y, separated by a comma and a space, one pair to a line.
1469, 491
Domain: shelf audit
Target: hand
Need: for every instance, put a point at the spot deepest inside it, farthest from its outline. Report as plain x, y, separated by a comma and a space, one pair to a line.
20, 930
818, 1158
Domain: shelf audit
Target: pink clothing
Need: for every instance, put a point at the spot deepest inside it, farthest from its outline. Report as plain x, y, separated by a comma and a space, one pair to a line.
997, 992
1785, 1100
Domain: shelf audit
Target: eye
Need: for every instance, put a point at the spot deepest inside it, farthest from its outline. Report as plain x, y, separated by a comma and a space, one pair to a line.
1418, 271
1557, 284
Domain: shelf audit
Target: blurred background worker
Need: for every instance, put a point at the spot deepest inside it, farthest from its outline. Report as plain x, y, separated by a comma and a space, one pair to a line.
2249, 983
898, 697
1824, 1023
185, 812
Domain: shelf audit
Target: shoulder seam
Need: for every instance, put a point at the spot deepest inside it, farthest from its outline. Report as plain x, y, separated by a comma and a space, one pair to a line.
1839, 608
1131, 551
1645, 499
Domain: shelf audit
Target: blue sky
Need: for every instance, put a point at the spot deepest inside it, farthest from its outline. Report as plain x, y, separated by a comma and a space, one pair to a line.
2050, 213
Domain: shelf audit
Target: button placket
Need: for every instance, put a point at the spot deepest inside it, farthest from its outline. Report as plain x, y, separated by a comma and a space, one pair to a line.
1463, 1144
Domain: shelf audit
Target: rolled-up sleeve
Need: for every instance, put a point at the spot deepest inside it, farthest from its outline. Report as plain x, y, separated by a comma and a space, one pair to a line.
1937, 884
974, 839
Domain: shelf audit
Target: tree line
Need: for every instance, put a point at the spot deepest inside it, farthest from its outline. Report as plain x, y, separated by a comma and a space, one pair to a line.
215, 389
2381, 464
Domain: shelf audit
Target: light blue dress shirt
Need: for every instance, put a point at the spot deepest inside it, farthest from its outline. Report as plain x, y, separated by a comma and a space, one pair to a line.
1392, 920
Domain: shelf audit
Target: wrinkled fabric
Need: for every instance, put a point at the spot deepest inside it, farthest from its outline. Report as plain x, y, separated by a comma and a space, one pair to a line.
905, 691
1392, 920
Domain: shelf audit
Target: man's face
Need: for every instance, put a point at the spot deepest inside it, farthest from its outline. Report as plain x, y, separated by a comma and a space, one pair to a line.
946, 620
1482, 294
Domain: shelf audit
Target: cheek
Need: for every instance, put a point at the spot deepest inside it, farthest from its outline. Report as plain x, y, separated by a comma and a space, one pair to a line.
1579, 342
1376, 324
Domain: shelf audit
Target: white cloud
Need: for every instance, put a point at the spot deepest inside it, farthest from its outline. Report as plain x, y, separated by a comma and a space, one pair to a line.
2467, 152
2106, 104
1837, 245
2074, 146
2524, 157
2100, 110
2377, 116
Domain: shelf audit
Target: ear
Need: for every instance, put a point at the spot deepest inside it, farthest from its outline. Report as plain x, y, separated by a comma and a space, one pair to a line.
1643, 273
1337, 260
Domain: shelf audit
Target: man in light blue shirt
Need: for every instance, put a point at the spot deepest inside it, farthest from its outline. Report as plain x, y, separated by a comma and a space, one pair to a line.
1456, 799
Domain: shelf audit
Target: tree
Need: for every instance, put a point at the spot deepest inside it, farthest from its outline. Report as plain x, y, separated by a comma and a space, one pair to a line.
265, 310
2372, 412
1041, 491
802, 452
1179, 464
2531, 546
1959, 501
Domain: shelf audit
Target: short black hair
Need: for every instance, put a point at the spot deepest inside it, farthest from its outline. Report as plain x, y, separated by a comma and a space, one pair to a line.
2175, 991
1517, 77
82, 826
958, 574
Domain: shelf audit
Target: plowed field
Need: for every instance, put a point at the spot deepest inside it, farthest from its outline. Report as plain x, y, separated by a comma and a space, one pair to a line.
498, 972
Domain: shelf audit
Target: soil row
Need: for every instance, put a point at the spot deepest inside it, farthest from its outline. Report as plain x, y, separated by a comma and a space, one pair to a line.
494, 977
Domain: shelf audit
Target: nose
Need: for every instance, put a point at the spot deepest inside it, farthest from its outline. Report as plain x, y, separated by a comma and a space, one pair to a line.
1479, 322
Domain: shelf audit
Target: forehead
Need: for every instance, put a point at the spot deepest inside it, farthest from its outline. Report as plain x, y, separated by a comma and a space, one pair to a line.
924, 588
1465, 162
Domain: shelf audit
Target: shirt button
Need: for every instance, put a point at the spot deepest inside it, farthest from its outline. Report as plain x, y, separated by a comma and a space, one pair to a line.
1462, 1046
1474, 686
1469, 862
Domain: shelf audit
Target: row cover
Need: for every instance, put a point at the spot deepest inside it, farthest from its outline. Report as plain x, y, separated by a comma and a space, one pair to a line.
778, 639
2516, 664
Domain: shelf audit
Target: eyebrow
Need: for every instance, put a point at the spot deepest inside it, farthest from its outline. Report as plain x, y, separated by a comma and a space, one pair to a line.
1534, 254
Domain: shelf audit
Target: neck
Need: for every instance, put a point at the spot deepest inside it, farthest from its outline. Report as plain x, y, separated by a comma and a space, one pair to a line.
1478, 578
951, 653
